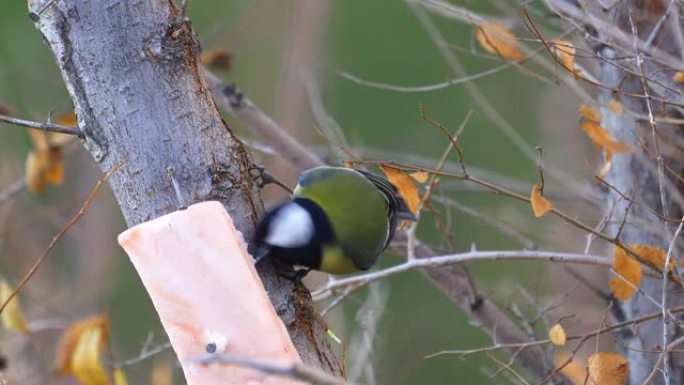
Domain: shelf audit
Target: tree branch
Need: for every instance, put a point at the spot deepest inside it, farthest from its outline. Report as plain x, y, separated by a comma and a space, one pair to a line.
48, 126
132, 71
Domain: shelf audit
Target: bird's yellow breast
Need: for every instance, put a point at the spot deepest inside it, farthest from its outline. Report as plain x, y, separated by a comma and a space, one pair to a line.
334, 261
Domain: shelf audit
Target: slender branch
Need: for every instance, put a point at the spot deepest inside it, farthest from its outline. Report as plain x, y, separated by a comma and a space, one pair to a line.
48, 126
242, 109
528, 344
567, 217
15, 188
549, 256
144, 354
666, 331
662, 360
61, 234
425, 88
296, 371
499, 224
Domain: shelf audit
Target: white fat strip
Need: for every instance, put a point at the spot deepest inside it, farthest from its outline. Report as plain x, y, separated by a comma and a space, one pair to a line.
291, 226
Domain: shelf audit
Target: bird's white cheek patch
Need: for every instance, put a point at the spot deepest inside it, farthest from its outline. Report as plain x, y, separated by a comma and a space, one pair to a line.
292, 226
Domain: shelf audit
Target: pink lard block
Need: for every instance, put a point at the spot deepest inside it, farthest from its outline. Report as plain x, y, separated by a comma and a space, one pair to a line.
195, 266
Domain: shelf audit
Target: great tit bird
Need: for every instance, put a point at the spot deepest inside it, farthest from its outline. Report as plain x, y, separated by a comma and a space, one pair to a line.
338, 221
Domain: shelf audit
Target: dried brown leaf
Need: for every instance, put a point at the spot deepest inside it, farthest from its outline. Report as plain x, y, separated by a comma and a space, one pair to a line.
628, 269
590, 113
540, 205
12, 316
652, 254
615, 106
678, 77
405, 185
70, 339
420, 176
497, 39
607, 368
557, 335
565, 51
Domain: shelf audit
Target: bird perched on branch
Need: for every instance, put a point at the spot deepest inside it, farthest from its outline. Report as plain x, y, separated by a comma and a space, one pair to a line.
338, 221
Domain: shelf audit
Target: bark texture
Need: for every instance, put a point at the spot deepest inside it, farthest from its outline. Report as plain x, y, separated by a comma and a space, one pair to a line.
644, 83
132, 71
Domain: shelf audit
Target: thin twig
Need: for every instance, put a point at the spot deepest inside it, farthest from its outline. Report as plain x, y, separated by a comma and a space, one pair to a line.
549, 256
528, 344
566, 217
242, 109
666, 330
426, 88
662, 359
48, 126
295, 371
61, 234
13, 189
144, 354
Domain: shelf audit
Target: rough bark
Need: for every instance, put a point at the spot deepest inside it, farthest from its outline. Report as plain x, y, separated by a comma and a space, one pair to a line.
132, 71
637, 174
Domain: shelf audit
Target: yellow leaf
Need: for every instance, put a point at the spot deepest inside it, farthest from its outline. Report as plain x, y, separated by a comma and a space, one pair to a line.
86, 364
602, 138
420, 176
71, 337
653, 254
540, 205
68, 119
39, 139
162, 374
348, 164
497, 39
629, 269
217, 58
120, 377
615, 106
590, 113
565, 51
12, 316
575, 371
606, 368
557, 335
405, 185
35, 182
678, 77
44, 164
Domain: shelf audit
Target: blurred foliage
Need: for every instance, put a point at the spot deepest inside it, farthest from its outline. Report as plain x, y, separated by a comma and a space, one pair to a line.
378, 40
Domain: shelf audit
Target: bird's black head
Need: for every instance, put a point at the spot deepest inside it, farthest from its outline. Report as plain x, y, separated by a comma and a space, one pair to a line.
294, 233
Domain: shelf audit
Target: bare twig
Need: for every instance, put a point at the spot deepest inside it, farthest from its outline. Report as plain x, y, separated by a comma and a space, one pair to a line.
242, 109
497, 223
145, 353
61, 234
296, 371
426, 88
666, 331
528, 344
563, 215
549, 256
12, 190
48, 126
662, 361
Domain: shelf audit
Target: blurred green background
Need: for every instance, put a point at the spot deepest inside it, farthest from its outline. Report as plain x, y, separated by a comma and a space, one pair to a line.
277, 49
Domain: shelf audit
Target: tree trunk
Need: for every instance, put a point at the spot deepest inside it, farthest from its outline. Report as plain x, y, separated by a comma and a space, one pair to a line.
643, 83
132, 70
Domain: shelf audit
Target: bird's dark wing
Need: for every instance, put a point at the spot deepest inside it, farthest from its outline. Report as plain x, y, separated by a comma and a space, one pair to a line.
397, 208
